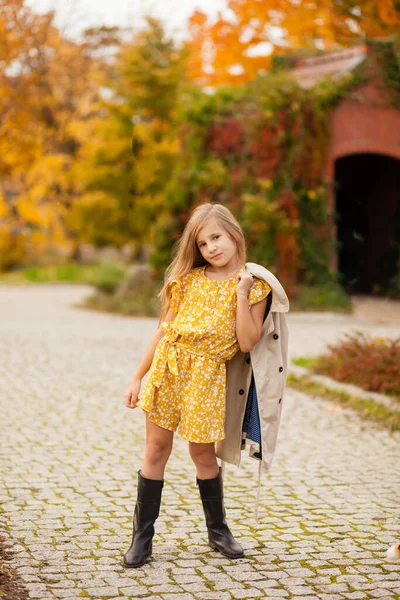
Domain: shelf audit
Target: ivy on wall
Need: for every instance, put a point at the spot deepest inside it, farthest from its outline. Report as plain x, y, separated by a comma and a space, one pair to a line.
388, 55
261, 150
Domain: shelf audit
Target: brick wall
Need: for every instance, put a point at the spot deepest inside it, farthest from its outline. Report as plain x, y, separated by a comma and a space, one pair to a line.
371, 125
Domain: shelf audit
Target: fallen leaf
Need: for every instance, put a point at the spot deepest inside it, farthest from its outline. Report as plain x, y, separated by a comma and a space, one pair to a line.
333, 408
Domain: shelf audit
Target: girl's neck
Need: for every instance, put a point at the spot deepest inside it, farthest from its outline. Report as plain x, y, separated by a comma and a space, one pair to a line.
224, 272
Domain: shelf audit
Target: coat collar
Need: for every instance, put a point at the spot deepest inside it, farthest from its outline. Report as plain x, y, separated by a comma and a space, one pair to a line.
280, 301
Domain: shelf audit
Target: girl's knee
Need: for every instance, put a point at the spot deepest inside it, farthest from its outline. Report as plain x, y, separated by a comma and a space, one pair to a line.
157, 451
202, 454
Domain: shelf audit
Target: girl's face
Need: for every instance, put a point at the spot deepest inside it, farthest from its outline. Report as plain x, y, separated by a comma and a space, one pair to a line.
216, 246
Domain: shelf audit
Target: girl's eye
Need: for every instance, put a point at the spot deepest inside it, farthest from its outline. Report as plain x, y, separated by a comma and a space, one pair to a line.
215, 238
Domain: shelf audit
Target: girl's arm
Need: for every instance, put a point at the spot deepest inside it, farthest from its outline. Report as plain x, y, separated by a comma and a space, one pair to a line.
249, 321
132, 393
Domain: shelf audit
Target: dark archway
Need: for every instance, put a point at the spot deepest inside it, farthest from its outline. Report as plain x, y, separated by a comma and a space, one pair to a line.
368, 221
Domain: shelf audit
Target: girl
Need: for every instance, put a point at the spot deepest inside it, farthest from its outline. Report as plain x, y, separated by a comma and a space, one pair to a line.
211, 308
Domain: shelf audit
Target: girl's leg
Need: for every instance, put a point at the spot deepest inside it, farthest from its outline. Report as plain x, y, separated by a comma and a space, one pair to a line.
203, 456
150, 484
209, 481
158, 449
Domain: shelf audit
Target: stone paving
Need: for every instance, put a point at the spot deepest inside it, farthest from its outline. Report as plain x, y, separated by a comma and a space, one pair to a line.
70, 451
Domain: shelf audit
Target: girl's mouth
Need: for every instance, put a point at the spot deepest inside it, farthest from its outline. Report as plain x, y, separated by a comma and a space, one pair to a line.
216, 256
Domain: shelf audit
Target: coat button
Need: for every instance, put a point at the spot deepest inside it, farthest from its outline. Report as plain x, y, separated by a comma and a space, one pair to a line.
280, 369
275, 336
280, 400
248, 361
241, 392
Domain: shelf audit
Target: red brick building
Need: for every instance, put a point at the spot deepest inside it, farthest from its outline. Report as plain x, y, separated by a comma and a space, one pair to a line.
364, 163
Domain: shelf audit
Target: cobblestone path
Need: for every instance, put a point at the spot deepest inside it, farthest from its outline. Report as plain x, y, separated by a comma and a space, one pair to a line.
70, 451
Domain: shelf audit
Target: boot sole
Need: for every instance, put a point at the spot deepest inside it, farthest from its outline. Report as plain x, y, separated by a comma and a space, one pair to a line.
139, 564
233, 556
136, 566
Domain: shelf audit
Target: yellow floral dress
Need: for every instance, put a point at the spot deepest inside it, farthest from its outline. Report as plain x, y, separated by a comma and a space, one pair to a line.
186, 385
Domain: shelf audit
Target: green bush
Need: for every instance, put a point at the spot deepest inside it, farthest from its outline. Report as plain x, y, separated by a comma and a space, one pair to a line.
328, 296
107, 276
142, 303
136, 294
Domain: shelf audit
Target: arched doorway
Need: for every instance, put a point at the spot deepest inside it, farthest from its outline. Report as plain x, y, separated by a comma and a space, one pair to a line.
367, 188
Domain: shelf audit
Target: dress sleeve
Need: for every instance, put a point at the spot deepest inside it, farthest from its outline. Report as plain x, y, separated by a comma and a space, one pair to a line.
176, 295
258, 291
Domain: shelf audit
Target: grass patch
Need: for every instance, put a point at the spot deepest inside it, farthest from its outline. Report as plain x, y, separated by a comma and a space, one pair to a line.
68, 273
328, 297
307, 362
367, 408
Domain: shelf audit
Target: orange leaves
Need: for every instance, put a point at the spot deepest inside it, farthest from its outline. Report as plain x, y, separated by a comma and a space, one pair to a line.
239, 44
388, 12
197, 48
223, 51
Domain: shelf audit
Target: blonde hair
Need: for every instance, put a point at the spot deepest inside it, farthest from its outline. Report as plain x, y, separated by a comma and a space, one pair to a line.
187, 253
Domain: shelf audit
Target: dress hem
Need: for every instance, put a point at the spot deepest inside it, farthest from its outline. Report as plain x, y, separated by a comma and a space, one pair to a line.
202, 442
183, 436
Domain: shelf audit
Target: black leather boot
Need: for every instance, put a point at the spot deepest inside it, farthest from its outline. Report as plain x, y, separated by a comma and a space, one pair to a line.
219, 535
146, 512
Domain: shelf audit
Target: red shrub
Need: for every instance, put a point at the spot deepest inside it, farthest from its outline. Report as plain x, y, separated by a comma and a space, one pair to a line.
226, 139
288, 249
371, 363
267, 151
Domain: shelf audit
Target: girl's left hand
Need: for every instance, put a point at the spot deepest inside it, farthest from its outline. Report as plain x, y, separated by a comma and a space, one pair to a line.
245, 282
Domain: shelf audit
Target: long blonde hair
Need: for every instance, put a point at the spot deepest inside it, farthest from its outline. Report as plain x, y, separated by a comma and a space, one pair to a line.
186, 251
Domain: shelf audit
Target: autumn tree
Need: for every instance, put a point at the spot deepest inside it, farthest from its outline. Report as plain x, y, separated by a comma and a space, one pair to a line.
240, 43
43, 95
129, 146
19, 146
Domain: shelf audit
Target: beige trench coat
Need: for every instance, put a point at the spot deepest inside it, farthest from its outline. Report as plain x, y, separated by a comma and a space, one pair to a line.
268, 360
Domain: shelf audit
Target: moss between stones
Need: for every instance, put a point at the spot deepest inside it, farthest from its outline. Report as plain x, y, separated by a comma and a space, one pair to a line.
366, 408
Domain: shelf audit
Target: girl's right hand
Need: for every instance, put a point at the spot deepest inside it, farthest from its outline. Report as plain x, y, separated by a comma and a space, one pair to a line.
132, 393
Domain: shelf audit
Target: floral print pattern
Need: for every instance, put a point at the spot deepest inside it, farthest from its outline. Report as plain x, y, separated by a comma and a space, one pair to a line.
186, 386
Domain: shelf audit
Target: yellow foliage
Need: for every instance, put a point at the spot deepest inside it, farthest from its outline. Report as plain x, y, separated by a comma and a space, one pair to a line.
45, 88
4, 210
12, 248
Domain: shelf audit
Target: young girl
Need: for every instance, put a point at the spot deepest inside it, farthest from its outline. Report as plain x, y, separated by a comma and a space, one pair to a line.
211, 308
